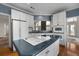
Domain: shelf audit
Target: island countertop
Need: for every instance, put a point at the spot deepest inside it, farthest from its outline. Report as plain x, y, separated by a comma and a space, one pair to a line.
26, 49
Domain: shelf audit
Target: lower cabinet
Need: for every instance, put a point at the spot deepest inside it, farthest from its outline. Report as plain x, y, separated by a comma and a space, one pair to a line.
52, 50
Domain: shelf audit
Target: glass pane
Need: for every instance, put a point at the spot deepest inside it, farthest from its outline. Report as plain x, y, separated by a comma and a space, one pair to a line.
75, 19
67, 29
47, 22
72, 31
70, 20
38, 23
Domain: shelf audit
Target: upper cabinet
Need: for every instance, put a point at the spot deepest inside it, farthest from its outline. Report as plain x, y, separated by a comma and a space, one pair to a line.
55, 19
31, 21
15, 14
62, 18
59, 18
23, 16
19, 15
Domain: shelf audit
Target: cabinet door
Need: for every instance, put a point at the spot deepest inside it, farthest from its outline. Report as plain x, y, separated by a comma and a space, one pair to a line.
56, 47
16, 34
55, 19
61, 18
31, 21
42, 53
52, 50
15, 14
24, 30
23, 16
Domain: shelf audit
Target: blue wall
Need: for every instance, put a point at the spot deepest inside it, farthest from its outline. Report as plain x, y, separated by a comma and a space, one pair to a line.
5, 9
72, 13
42, 17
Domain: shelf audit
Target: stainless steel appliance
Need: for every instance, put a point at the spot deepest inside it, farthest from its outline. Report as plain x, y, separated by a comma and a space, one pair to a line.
58, 29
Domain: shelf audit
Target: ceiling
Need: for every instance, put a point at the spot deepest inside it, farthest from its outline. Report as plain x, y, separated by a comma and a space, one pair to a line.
45, 8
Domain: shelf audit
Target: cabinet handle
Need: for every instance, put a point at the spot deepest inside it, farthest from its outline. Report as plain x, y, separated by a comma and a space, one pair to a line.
47, 52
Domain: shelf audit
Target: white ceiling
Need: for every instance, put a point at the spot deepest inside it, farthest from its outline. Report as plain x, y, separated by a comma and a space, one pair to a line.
45, 8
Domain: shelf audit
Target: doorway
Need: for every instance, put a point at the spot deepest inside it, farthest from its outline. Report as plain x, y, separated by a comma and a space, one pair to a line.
4, 31
43, 25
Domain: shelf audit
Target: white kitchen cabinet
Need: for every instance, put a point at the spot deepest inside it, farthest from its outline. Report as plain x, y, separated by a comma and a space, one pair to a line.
19, 15
52, 50
59, 18
56, 47
16, 32
15, 14
23, 16
20, 30
55, 19
31, 21
24, 30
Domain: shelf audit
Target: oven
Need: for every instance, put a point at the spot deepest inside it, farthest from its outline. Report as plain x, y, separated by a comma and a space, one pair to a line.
58, 29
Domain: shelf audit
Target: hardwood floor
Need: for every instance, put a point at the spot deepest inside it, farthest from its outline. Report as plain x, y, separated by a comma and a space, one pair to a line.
71, 50
7, 52
4, 42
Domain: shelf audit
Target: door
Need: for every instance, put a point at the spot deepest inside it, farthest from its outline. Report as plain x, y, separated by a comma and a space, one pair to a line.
4, 31
55, 19
15, 14
43, 25
61, 18
24, 30
16, 32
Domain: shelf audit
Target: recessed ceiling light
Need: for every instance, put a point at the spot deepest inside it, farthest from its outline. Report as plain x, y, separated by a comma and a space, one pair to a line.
32, 7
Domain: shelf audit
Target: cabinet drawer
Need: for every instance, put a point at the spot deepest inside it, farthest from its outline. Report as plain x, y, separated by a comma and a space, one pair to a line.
42, 53
52, 50
49, 51
46, 52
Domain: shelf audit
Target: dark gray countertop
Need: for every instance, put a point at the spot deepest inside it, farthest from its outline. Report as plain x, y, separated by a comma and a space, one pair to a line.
26, 49
40, 32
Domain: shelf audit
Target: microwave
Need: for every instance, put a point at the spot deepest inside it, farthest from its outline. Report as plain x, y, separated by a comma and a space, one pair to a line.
59, 29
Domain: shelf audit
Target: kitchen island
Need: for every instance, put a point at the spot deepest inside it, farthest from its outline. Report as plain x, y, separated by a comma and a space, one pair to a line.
46, 48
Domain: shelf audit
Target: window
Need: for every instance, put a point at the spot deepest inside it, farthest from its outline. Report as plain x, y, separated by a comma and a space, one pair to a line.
72, 19
47, 22
67, 29
48, 25
72, 29
38, 25
71, 25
